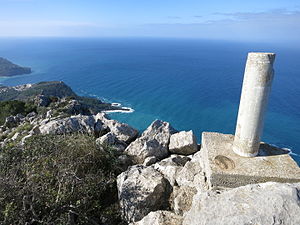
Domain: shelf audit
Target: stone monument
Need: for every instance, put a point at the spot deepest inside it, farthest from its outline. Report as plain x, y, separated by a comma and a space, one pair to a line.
232, 161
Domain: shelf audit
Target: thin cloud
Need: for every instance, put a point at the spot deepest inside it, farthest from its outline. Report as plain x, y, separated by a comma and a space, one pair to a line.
275, 25
174, 17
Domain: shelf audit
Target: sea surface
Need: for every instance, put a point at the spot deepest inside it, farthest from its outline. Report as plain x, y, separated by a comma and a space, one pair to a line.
193, 84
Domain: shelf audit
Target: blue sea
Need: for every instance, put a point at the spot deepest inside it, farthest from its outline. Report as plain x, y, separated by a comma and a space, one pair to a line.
193, 84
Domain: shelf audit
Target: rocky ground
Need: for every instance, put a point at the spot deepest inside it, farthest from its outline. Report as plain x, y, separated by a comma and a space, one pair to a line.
163, 182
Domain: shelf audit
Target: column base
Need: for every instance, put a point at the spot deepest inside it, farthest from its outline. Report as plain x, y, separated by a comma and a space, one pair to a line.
225, 169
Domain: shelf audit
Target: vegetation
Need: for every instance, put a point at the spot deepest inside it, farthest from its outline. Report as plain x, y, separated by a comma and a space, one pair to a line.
57, 89
58, 180
12, 108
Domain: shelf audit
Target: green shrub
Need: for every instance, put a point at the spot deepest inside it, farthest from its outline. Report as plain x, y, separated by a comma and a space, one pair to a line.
58, 180
12, 108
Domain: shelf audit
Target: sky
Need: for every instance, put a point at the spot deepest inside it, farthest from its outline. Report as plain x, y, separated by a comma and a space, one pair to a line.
252, 20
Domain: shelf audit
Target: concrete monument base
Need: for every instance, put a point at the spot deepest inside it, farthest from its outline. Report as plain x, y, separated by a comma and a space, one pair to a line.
223, 168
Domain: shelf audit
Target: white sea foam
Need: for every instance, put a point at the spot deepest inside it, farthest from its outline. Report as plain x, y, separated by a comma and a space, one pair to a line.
122, 110
125, 110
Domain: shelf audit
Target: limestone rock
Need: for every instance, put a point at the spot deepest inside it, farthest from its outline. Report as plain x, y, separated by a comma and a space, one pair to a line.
160, 218
154, 141
107, 139
266, 203
183, 198
150, 160
79, 123
112, 140
192, 174
13, 121
170, 166
31, 115
184, 143
141, 190
122, 131
16, 135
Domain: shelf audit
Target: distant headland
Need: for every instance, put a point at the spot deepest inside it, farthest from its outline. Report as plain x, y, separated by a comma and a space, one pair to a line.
8, 68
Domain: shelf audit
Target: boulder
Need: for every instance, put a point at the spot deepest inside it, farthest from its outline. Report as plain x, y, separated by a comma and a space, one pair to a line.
160, 218
170, 166
107, 139
142, 190
150, 160
12, 121
122, 131
112, 140
184, 143
182, 199
192, 174
154, 141
266, 203
79, 123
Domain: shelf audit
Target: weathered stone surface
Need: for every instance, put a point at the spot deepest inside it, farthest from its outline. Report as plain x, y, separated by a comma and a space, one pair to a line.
170, 166
122, 131
150, 160
79, 123
256, 88
224, 168
141, 190
153, 142
183, 198
192, 173
112, 140
107, 139
267, 203
160, 218
184, 143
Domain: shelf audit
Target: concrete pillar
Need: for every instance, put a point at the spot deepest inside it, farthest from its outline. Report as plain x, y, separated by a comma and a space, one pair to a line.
257, 83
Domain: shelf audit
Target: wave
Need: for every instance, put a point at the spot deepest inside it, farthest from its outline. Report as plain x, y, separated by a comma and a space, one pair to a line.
122, 110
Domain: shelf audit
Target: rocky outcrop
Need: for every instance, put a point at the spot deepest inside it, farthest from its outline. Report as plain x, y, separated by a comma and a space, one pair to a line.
123, 132
182, 198
13, 121
107, 139
191, 174
79, 123
170, 166
153, 142
142, 190
160, 218
184, 143
267, 203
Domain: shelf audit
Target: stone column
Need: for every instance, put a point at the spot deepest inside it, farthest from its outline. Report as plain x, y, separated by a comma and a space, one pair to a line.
257, 83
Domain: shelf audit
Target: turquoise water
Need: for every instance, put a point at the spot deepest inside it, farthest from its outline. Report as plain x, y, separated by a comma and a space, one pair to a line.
194, 84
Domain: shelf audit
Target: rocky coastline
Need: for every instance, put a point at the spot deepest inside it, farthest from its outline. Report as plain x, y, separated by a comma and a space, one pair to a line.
162, 181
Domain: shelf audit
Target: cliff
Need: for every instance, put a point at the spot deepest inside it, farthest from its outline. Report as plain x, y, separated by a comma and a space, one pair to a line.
8, 68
